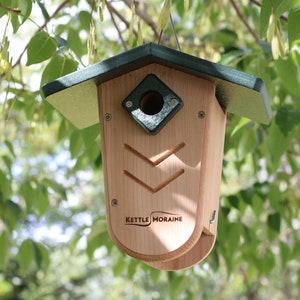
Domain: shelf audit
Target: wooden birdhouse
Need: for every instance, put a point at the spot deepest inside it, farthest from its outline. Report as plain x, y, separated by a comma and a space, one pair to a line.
162, 116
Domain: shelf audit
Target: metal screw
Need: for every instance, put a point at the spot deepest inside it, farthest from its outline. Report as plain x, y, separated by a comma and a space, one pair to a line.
213, 217
201, 114
128, 104
114, 202
174, 101
107, 117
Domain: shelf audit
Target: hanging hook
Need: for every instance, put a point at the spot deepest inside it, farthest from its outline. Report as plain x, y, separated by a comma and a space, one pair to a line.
175, 34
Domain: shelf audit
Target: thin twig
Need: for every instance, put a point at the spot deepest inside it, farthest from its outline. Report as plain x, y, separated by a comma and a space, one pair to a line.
144, 16
120, 17
11, 9
59, 8
116, 26
244, 20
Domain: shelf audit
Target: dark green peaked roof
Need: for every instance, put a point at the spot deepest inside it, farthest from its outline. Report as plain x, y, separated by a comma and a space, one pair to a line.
75, 95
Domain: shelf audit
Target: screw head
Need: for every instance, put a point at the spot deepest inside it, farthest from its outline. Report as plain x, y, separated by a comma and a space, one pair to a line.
128, 104
114, 202
107, 117
174, 101
201, 114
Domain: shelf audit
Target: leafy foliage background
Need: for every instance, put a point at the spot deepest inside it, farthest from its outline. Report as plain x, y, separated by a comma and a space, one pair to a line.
53, 238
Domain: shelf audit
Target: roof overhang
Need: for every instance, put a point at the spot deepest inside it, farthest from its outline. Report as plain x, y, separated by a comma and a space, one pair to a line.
75, 95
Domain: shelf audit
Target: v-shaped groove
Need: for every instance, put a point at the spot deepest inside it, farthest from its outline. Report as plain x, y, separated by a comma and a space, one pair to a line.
157, 188
160, 159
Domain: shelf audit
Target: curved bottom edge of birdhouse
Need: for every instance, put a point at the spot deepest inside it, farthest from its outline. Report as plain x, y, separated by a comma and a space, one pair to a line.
194, 256
195, 240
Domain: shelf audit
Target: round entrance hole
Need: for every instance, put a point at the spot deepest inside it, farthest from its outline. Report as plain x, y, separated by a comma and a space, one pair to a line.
151, 103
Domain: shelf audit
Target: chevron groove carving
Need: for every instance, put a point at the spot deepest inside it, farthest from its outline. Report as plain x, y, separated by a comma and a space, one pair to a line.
160, 159
160, 186
153, 163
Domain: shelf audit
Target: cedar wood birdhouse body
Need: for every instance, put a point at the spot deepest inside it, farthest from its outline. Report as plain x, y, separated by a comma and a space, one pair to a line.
162, 117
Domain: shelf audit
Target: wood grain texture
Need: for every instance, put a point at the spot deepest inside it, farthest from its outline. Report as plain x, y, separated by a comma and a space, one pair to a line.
166, 185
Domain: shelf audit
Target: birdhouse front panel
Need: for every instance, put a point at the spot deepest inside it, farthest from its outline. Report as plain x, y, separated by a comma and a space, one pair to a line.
162, 140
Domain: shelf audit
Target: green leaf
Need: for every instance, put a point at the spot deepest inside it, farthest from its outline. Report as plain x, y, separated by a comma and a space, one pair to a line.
164, 16
4, 248
5, 186
57, 67
96, 238
282, 6
285, 254
26, 7
119, 266
56, 187
43, 9
178, 284
41, 255
91, 141
278, 144
278, 6
6, 289
234, 201
15, 22
84, 18
74, 42
264, 17
26, 256
27, 192
233, 236
41, 201
10, 147
275, 197
75, 239
247, 143
41, 47
12, 213
298, 280
268, 262
155, 275
225, 37
64, 129
257, 205
274, 221
133, 267
32, 254
89, 135
294, 26
242, 122
287, 118
76, 143
61, 42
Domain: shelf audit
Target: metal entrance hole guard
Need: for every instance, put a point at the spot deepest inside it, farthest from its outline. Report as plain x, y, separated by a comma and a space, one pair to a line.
152, 104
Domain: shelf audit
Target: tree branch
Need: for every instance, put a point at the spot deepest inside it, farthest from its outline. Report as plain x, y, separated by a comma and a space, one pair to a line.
145, 17
109, 7
11, 9
244, 20
59, 8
